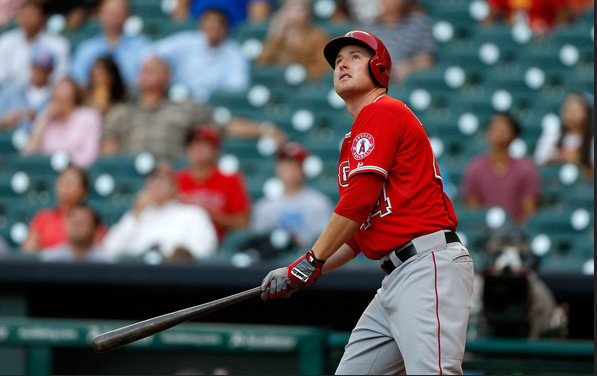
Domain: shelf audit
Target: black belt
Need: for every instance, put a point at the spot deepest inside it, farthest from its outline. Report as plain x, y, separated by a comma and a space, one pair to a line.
404, 252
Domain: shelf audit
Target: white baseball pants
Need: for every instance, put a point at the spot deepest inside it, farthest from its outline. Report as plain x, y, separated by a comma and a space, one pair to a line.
416, 323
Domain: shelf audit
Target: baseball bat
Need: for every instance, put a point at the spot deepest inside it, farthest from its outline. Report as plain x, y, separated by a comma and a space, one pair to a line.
122, 336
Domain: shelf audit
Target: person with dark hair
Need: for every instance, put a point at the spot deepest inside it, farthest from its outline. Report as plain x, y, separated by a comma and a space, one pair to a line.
202, 183
127, 50
106, 87
498, 179
16, 45
82, 224
48, 227
239, 11
67, 125
206, 60
573, 142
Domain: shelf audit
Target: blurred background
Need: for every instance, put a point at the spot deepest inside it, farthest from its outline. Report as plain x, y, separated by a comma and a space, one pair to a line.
159, 154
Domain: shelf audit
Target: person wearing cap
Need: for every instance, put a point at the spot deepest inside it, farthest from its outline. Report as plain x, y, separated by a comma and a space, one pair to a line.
21, 102
157, 125
393, 210
202, 183
17, 45
159, 222
300, 209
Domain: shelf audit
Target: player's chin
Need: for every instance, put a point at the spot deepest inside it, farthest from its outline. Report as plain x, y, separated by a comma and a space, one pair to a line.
342, 88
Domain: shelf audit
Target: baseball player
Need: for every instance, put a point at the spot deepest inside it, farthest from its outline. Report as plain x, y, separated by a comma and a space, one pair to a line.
392, 208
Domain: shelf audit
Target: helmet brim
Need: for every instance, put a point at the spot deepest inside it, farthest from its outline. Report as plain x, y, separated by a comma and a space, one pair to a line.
331, 50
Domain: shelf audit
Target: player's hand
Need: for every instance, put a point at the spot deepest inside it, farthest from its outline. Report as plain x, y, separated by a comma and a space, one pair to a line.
276, 285
305, 271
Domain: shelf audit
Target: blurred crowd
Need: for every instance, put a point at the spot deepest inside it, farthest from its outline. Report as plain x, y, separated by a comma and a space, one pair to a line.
110, 95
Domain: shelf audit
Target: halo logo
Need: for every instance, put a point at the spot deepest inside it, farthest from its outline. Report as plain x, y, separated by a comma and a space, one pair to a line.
362, 145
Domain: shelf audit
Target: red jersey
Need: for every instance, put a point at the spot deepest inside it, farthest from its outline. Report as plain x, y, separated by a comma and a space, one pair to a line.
219, 193
541, 14
388, 139
50, 227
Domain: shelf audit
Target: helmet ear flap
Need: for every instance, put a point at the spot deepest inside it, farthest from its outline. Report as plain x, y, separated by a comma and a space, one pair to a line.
379, 72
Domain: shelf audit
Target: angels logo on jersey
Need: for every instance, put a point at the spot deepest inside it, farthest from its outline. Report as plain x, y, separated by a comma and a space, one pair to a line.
362, 145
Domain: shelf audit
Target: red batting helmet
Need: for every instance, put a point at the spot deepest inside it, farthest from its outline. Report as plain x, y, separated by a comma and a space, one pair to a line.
380, 65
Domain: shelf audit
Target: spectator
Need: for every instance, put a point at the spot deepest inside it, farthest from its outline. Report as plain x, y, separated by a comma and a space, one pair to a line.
159, 222
406, 31
573, 143
301, 210
16, 45
540, 15
210, 51
497, 179
82, 224
239, 11
67, 125
21, 102
106, 87
223, 195
356, 11
126, 50
157, 125
292, 38
48, 227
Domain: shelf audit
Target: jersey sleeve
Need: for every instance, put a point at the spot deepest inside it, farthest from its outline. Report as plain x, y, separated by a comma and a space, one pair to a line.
374, 142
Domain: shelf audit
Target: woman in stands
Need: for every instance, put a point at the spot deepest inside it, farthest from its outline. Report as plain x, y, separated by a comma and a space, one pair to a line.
67, 125
48, 226
574, 141
106, 87
292, 38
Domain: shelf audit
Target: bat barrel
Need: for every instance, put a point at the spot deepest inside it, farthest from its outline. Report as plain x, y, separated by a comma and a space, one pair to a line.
122, 336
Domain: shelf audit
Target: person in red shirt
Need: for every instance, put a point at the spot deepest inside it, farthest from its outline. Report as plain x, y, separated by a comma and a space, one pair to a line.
224, 196
541, 15
393, 209
48, 226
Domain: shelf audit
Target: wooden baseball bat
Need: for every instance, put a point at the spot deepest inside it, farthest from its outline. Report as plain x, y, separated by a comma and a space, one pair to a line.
122, 336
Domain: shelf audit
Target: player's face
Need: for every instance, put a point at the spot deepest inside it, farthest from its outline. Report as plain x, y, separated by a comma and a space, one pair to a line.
351, 74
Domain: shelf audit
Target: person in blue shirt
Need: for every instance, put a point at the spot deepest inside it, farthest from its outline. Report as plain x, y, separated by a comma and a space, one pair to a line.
205, 60
127, 50
20, 102
238, 11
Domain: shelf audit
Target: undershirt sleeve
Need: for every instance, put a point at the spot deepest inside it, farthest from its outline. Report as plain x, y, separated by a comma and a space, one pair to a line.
360, 197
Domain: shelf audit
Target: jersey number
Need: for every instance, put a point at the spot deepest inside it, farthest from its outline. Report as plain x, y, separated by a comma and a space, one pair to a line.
382, 207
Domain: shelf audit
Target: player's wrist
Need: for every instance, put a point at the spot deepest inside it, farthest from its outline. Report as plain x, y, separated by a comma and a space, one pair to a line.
313, 260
